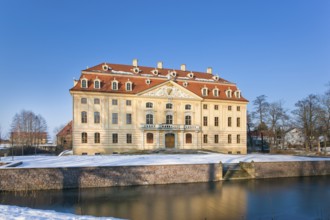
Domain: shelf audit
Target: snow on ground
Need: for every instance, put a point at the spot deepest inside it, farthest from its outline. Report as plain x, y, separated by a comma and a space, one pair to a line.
154, 159
20, 213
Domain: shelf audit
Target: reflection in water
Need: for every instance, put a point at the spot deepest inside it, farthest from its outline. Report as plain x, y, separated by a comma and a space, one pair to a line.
290, 198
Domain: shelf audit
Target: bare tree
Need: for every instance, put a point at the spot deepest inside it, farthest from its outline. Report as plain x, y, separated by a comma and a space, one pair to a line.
306, 120
28, 129
0, 135
324, 116
260, 114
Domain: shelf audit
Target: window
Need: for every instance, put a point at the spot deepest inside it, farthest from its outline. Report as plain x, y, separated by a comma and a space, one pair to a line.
128, 102
84, 137
187, 120
215, 92
128, 138
96, 101
97, 138
150, 138
204, 92
229, 108
204, 106
238, 94
216, 138
129, 86
114, 85
84, 83
114, 118
169, 106
149, 105
205, 120
187, 107
229, 121
169, 119
83, 101
205, 138
238, 139
229, 138
128, 118
238, 122
149, 119
83, 117
97, 84
216, 107
114, 138
114, 102
216, 121
228, 93
238, 108
96, 117
188, 138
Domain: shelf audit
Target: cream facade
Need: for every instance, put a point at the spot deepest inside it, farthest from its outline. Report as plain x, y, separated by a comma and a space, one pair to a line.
155, 111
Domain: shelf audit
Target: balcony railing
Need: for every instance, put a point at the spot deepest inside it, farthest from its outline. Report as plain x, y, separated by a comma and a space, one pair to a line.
169, 127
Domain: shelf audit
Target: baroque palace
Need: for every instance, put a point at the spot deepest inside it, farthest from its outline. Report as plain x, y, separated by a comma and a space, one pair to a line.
118, 108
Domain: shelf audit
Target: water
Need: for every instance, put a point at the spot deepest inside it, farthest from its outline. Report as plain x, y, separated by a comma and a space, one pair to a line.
282, 198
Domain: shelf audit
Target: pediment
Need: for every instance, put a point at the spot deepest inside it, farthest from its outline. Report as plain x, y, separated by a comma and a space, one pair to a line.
169, 90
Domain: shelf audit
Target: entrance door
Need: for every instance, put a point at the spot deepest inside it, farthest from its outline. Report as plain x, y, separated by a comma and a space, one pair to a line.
169, 140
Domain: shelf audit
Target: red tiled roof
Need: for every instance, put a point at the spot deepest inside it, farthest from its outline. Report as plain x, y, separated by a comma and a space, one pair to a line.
139, 84
66, 130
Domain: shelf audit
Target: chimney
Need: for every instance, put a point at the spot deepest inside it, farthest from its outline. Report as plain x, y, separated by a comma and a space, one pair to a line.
209, 70
183, 67
135, 62
160, 65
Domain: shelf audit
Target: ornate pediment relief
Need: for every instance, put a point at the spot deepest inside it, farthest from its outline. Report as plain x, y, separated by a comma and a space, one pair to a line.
169, 91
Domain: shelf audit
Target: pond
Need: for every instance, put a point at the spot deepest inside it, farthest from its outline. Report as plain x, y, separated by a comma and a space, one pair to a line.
282, 198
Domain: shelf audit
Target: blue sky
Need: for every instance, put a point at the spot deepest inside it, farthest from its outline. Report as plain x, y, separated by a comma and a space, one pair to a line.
278, 48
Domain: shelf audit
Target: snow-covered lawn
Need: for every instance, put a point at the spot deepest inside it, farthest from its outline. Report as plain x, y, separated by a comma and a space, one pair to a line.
20, 213
155, 159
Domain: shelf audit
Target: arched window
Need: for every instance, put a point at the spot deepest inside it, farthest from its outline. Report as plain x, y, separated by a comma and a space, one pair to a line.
97, 84
228, 93
216, 92
150, 138
238, 94
169, 106
149, 119
96, 117
204, 91
149, 105
187, 107
188, 138
96, 138
83, 117
169, 119
128, 86
83, 100
187, 120
114, 85
84, 83
84, 137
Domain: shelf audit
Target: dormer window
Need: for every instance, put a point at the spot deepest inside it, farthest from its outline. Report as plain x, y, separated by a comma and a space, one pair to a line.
185, 84
149, 105
105, 67
238, 94
84, 83
148, 81
114, 85
216, 92
169, 106
128, 86
190, 75
155, 72
97, 84
229, 93
216, 78
136, 70
204, 91
173, 73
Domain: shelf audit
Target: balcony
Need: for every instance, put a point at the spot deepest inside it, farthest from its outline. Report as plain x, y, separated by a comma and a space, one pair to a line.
172, 127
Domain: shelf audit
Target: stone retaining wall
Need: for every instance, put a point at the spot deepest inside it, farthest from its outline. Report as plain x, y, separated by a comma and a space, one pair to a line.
286, 169
16, 179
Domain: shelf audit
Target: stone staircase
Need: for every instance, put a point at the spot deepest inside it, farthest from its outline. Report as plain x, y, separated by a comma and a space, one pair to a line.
234, 171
